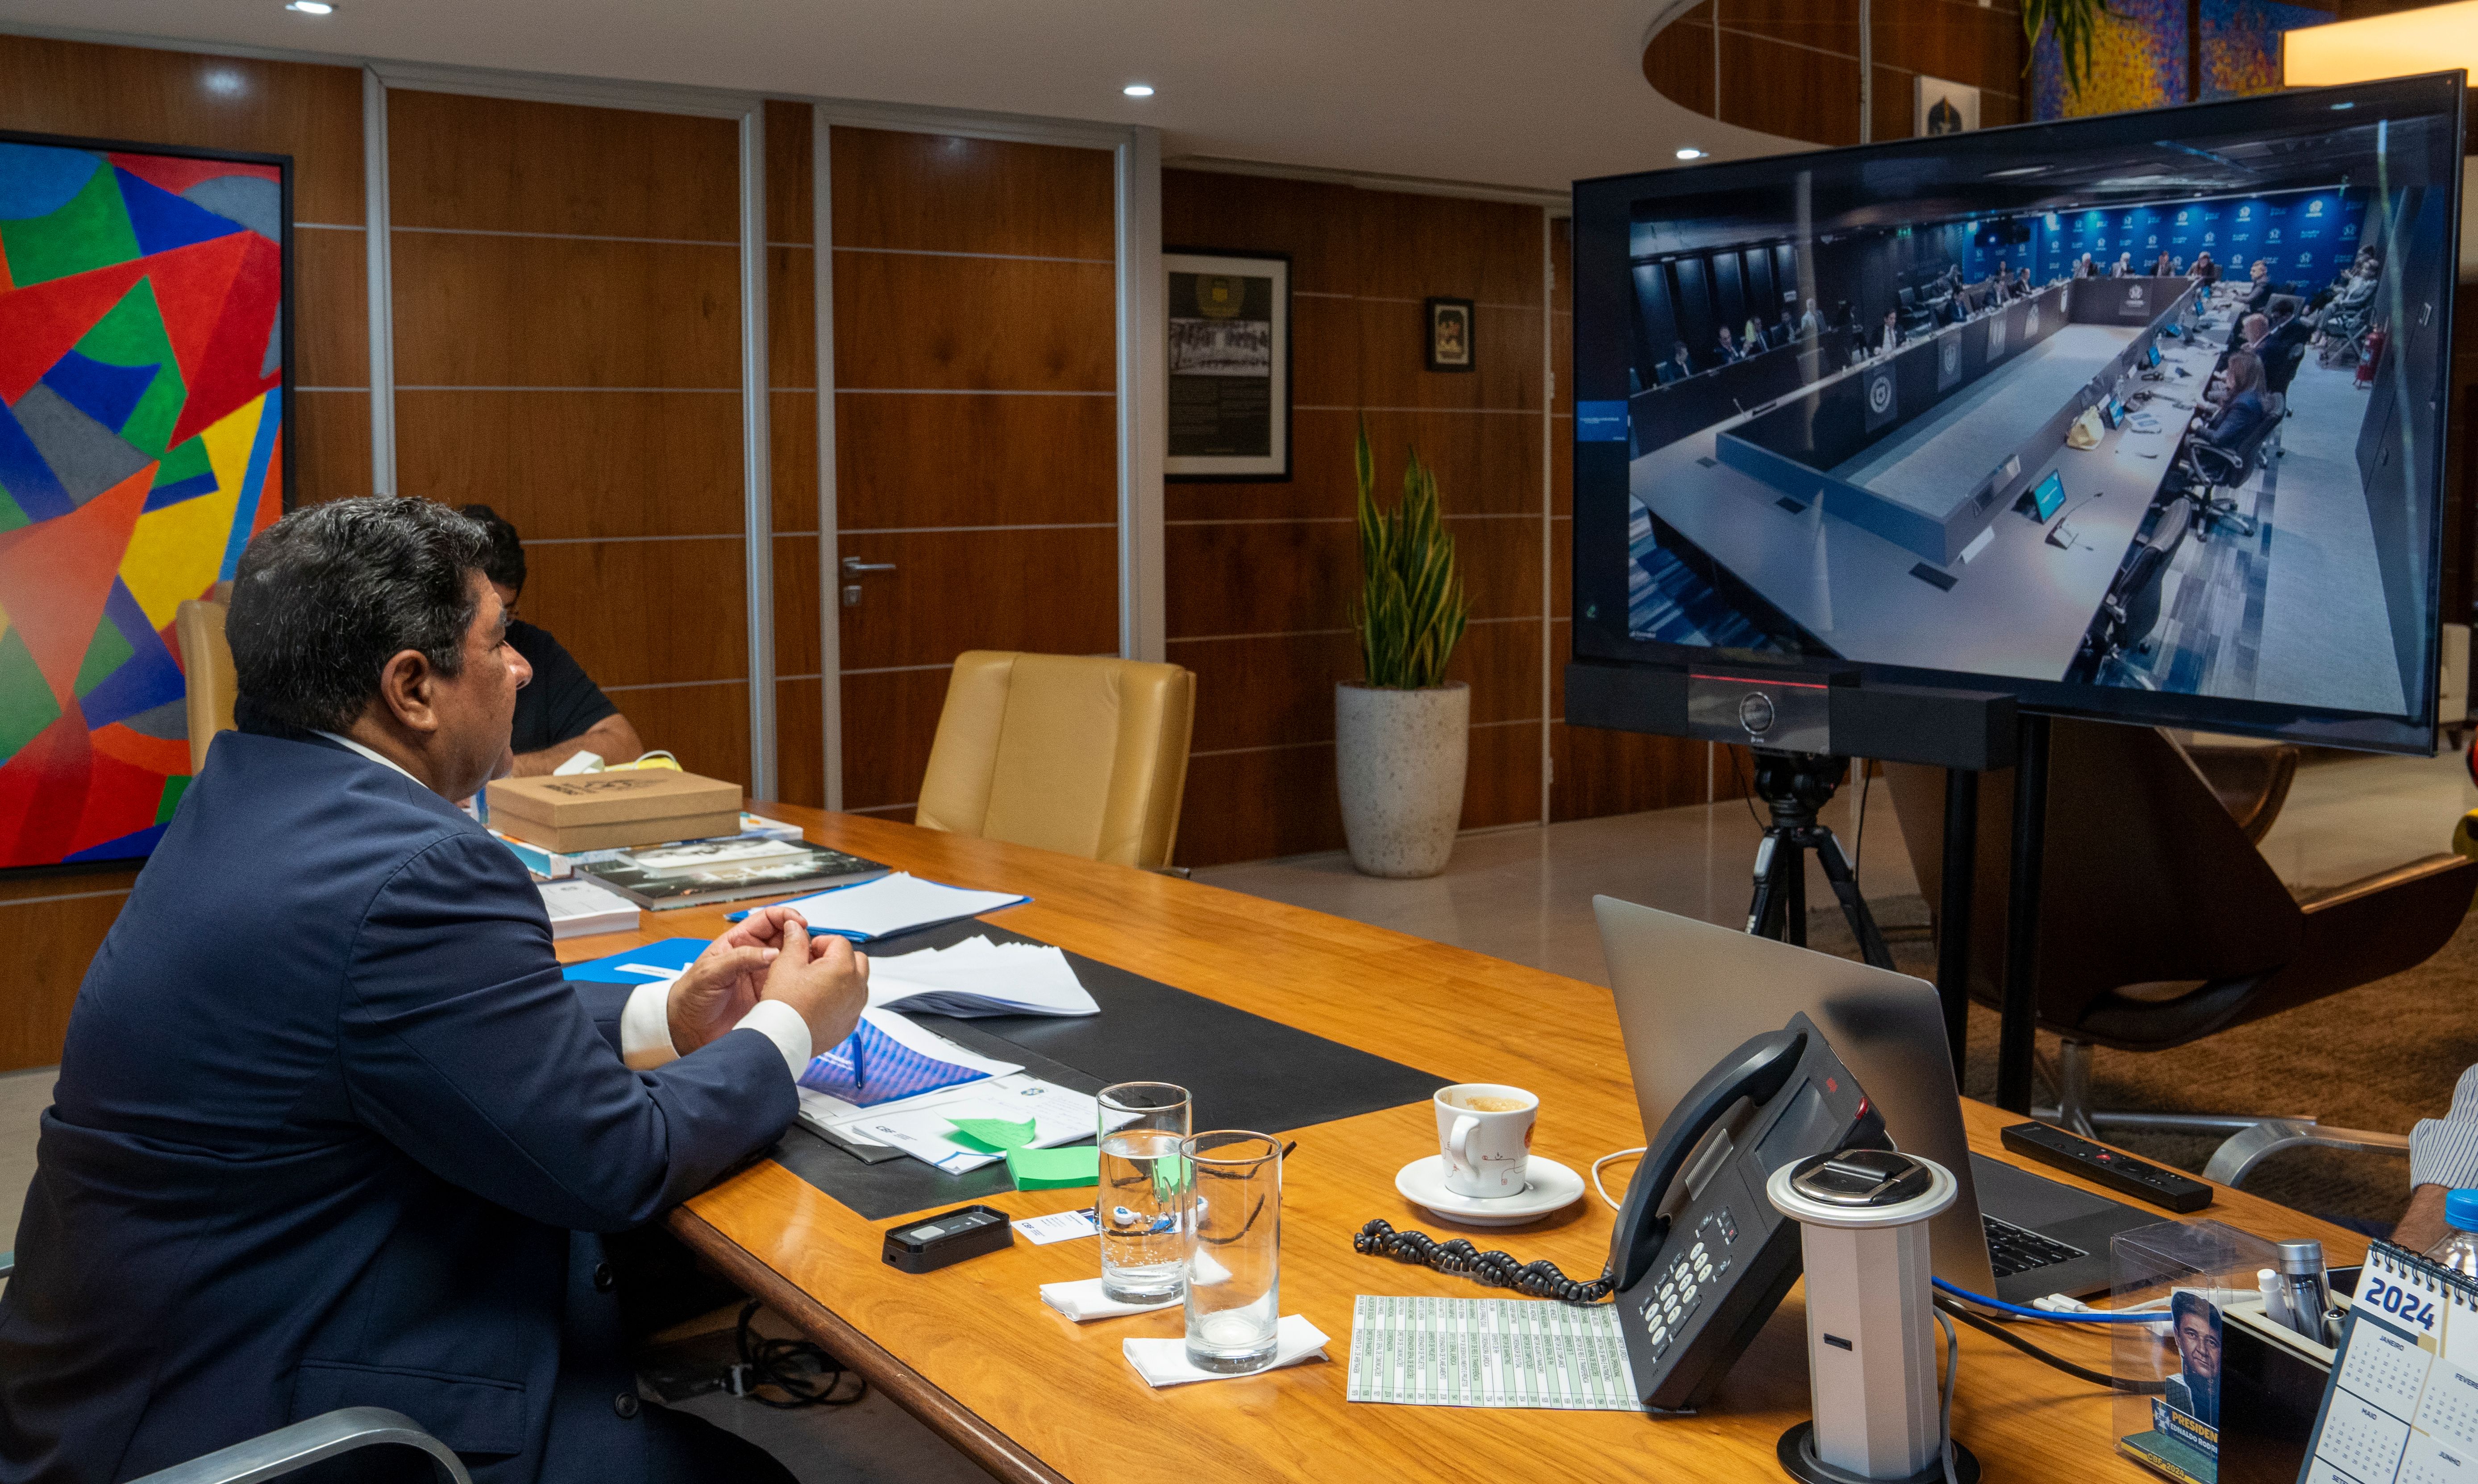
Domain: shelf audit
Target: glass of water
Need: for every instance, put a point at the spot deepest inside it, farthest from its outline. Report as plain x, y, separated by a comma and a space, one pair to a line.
1140, 1126
1234, 1250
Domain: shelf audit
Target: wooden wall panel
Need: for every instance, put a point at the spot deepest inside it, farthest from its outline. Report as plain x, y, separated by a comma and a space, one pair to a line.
564, 312
1791, 67
310, 111
331, 298
331, 433
792, 318
1050, 591
1224, 814
928, 192
502, 165
971, 324
52, 924
644, 612
567, 464
707, 725
904, 462
796, 605
799, 741
791, 184
792, 429
890, 720
1677, 59
974, 285
1261, 575
1266, 691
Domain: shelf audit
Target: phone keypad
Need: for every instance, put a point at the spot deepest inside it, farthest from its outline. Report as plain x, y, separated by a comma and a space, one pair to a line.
1690, 1275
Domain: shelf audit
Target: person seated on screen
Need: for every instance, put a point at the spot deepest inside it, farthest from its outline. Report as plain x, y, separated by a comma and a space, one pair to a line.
2022, 281
2123, 267
2086, 268
1751, 338
1729, 350
1811, 324
1889, 334
2278, 346
1678, 367
331, 1127
2258, 288
1781, 332
2162, 268
563, 712
2242, 409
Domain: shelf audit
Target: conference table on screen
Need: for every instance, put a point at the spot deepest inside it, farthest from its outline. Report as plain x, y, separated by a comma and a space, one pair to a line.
971, 1350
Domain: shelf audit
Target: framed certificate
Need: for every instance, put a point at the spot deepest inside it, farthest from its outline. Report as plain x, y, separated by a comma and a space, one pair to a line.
1230, 361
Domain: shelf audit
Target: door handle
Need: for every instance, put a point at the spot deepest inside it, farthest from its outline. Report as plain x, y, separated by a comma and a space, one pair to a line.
856, 565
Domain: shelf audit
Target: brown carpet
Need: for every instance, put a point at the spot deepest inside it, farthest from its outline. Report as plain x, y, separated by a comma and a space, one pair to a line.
2381, 1056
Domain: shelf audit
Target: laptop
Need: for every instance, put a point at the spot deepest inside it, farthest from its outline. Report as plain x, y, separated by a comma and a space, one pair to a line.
1689, 993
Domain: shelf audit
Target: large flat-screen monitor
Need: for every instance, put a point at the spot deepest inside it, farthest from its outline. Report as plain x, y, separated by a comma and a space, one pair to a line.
2264, 286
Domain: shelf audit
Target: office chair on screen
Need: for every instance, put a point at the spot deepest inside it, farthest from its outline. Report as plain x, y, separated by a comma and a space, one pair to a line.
2209, 468
207, 663
2161, 923
2120, 637
1070, 753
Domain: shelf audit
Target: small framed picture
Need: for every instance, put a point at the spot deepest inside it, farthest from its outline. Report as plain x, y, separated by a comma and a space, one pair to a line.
1451, 329
1941, 107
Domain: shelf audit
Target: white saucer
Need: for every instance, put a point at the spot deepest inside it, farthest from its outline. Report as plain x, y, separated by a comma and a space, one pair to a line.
1550, 1187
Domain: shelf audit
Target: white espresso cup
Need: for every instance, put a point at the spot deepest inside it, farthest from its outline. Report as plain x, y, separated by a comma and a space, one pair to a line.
1484, 1136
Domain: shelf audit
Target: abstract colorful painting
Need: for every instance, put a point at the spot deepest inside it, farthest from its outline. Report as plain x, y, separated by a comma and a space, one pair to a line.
143, 380
2138, 60
2242, 44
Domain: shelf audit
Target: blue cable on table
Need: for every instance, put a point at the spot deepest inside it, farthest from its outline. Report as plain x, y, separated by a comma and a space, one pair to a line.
2147, 1317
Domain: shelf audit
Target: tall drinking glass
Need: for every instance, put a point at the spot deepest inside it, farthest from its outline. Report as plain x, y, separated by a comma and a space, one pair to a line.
1234, 1250
1140, 1126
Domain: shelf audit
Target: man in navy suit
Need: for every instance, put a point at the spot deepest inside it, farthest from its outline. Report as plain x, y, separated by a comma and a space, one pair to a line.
331, 1129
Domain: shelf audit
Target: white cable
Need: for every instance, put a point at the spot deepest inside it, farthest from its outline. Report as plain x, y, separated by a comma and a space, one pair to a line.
1596, 1173
1951, 1372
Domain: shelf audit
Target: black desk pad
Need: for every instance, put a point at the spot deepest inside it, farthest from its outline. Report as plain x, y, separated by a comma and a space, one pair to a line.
1242, 1071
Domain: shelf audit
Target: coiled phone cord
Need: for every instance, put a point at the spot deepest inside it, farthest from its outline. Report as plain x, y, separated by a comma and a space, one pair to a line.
1539, 1279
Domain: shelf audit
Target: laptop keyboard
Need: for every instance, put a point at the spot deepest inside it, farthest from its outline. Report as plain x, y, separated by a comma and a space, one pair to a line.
2012, 1249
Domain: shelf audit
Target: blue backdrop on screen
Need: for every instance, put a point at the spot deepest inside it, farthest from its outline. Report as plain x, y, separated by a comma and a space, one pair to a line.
2305, 236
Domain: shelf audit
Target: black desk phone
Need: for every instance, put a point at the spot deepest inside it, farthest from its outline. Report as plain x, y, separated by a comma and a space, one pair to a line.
1694, 1286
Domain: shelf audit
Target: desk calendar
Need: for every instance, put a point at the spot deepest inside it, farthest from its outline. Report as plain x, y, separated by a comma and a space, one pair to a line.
2395, 1413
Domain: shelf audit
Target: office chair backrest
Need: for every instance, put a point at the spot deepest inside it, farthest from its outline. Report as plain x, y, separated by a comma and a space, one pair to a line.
2142, 583
1909, 299
206, 659
1070, 753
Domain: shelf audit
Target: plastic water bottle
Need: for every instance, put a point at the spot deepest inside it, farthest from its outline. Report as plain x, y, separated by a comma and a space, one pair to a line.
2459, 1250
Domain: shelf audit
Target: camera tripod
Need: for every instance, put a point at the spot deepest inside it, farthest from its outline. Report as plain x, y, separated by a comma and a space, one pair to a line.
1795, 785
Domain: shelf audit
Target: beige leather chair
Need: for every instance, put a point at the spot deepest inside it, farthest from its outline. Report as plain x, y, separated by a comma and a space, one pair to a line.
1070, 753
207, 660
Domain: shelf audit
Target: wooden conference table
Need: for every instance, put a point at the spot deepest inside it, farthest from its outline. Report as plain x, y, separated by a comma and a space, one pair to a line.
974, 1353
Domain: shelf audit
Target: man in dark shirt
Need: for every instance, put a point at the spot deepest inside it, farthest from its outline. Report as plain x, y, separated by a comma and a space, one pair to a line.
563, 713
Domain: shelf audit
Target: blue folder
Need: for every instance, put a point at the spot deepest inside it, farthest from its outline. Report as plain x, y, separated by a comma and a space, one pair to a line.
656, 960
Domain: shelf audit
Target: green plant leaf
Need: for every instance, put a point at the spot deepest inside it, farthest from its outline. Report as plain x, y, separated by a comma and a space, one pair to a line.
1412, 608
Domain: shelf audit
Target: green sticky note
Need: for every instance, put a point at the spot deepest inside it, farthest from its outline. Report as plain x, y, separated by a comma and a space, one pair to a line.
1052, 1170
995, 1134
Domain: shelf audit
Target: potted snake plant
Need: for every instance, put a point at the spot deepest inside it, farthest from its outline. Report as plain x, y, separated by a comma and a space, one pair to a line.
1403, 735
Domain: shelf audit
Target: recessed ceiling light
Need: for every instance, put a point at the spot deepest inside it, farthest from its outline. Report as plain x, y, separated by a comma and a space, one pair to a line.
311, 7
1137, 90
1690, 152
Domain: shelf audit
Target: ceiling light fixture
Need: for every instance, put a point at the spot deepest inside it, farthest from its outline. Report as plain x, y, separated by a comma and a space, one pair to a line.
1137, 90
311, 6
1690, 152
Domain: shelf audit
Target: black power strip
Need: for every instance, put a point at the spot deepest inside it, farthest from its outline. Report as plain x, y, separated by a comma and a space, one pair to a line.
2123, 1174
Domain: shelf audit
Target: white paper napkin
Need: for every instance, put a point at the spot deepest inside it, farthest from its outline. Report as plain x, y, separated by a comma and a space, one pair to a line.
1086, 1302
1164, 1362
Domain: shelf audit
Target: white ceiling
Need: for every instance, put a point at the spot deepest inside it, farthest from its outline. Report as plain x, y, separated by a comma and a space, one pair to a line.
1531, 95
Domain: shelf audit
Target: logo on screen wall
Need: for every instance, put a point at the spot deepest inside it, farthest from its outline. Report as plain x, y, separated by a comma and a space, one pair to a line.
2031, 323
1880, 395
2303, 258
2313, 207
2274, 237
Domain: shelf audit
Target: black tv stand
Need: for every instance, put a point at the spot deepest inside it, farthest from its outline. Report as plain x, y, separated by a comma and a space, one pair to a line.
1796, 786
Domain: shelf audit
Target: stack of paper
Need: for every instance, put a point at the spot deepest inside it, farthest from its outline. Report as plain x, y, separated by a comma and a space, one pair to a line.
932, 1127
886, 1058
577, 907
978, 977
892, 904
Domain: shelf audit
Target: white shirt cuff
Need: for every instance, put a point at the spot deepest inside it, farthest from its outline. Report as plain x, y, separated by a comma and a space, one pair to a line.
782, 1025
646, 1027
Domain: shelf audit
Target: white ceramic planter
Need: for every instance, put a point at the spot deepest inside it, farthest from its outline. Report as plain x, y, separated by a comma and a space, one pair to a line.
1400, 757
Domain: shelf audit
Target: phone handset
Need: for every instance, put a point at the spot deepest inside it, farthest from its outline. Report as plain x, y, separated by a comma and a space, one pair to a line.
1756, 1072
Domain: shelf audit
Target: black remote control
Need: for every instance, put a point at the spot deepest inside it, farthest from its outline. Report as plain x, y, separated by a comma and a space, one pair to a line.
2120, 1172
